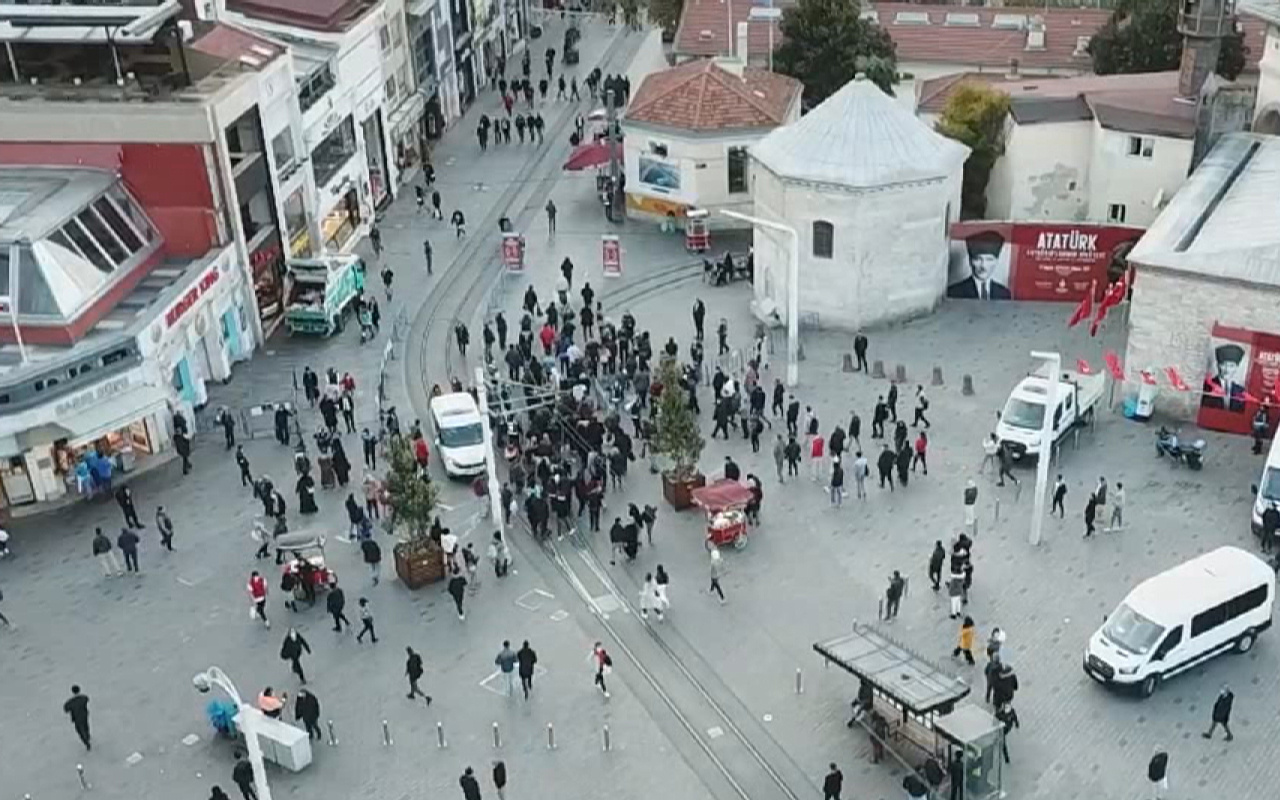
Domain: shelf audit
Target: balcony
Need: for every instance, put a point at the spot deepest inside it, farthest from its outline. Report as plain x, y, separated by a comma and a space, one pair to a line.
315, 86
334, 151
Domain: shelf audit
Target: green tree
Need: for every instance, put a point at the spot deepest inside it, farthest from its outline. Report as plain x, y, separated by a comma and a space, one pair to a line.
825, 44
1142, 36
676, 435
975, 116
410, 495
666, 15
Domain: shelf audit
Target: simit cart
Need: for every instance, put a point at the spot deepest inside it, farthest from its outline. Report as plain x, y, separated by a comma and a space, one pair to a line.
920, 702
724, 501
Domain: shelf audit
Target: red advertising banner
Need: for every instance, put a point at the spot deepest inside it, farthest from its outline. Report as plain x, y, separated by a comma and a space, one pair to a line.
1241, 374
611, 256
513, 252
1034, 261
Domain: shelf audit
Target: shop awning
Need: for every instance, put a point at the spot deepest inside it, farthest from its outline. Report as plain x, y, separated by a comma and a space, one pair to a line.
592, 154
41, 435
114, 413
407, 113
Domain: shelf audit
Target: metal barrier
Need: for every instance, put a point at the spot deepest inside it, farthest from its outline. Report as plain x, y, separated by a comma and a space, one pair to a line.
258, 420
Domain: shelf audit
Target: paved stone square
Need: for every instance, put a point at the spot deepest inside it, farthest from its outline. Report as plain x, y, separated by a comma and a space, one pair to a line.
690, 693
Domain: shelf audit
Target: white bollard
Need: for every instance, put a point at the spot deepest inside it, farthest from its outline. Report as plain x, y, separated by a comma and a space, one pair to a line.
84, 782
386, 734
440, 735
608, 741
333, 739
497, 737
799, 681
551, 737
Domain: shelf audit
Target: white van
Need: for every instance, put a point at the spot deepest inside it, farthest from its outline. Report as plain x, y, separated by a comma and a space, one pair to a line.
459, 437
1267, 490
1183, 617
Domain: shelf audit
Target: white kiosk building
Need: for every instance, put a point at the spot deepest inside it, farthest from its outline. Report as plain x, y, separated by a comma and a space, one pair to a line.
870, 192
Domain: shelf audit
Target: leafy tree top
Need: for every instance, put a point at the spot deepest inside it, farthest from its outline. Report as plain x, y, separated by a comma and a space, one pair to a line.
410, 495
826, 43
975, 116
1142, 36
676, 433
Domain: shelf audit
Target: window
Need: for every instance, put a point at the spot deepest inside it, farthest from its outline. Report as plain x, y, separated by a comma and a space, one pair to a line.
397, 30
114, 250
1171, 641
737, 170
1206, 621
384, 38
1246, 602
117, 224
824, 234
334, 151
314, 86
393, 90
86, 245
1141, 146
131, 212
1115, 212
282, 150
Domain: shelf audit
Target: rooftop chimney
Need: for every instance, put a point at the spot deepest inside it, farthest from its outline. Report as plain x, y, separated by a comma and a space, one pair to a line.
1012, 73
1035, 33
1203, 25
741, 50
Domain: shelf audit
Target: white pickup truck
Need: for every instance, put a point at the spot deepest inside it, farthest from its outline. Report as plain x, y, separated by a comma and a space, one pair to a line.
1023, 414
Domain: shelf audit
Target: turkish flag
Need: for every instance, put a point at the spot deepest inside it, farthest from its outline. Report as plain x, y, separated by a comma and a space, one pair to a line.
1175, 380
1113, 365
1112, 298
1249, 398
1214, 388
1083, 367
1148, 378
1082, 312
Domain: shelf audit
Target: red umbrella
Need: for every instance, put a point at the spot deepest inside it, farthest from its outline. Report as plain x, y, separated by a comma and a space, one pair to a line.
592, 154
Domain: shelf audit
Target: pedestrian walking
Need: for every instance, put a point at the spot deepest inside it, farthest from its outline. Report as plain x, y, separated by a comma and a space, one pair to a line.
242, 461
77, 707
602, 664
165, 525
291, 650
833, 783
878, 418
216, 793
990, 454
373, 558
499, 768
306, 709
457, 588
375, 240
124, 496
650, 600
722, 334
182, 446
955, 590
717, 572
1005, 456
884, 466
459, 222
1221, 710
792, 453
1117, 508
964, 643
921, 448
470, 786
366, 622
817, 456
335, 604
1090, 512
861, 469
506, 661
971, 507
462, 336
922, 405
837, 482
106, 556
435, 205
1008, 717
258, 596
228, 422
127, 541
242, 775
551, 216
1158, 772
413, 671
893, 595
1059, 498
526, 659
936, 560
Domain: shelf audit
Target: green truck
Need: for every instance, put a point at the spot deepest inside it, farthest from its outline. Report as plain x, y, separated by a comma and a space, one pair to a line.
320, 292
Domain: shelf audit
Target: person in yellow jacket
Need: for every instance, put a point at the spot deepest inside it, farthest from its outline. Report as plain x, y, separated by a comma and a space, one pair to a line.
965, 644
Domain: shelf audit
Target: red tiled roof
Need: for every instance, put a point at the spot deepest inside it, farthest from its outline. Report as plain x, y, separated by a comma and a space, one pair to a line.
978, 45
932, 95
321, 15
231, 44
706, 29
703, 95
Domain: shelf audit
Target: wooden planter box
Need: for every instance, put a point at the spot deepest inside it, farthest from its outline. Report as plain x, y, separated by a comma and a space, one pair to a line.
418, 566
680, 493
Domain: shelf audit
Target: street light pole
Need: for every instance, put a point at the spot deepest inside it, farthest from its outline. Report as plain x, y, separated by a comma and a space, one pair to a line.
248, 720
1053, 362
490, 458
793, 290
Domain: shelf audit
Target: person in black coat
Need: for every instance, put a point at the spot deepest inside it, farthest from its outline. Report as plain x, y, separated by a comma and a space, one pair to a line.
884, 464
341, 466
291, 650
334, 604
499, 768
124, 496
832, 784
128, 544
282, 424
1222, 713
526, 660
242, 774
182, 445
307, 711
470, 786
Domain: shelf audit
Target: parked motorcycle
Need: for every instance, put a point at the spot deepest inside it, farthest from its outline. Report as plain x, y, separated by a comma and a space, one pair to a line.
1190, 454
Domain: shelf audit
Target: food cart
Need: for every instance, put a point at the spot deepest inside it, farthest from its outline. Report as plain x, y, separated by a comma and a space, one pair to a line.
696, 237
921, 703
724, 502
303, 557
320, 292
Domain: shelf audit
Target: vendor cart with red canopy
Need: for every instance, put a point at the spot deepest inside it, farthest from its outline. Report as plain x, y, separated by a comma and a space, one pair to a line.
724, 502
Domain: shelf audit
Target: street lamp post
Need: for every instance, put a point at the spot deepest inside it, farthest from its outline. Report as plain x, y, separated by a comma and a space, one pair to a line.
490, 457
793, 290
1053, 362
248, 720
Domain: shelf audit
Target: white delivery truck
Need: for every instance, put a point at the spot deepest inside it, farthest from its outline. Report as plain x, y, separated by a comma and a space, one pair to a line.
459, 435
1019, 428
1184, 616
1267, 490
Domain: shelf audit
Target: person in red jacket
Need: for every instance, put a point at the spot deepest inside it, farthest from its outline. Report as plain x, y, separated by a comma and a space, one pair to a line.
548, 337
817, 451
258, 593
420, 452
922, 445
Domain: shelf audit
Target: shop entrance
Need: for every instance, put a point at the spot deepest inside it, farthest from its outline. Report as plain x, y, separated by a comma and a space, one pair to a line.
338, 227
376, 159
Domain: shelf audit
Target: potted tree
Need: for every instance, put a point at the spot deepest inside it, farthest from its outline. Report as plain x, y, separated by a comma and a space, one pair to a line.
412, 499
677, 438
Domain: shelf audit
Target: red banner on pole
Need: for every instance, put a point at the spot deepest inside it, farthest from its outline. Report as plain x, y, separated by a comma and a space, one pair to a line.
611, 256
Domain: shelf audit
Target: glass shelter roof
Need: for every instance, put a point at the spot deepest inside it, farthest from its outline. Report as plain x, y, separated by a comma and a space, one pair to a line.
71, 234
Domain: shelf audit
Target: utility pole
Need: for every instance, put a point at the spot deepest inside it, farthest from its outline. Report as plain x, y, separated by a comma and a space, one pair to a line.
615, 168
490, 458
1053, 365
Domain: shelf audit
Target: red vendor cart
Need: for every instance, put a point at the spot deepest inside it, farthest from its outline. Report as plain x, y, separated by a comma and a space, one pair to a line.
724, 502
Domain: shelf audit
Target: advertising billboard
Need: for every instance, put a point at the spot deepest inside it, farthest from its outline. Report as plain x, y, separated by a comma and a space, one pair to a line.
1241, 371
1035, 261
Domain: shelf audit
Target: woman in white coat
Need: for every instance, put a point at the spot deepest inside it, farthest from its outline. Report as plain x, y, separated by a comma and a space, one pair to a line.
650, 600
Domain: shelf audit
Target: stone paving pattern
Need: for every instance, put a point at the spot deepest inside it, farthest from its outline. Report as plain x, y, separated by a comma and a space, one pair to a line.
134, 642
